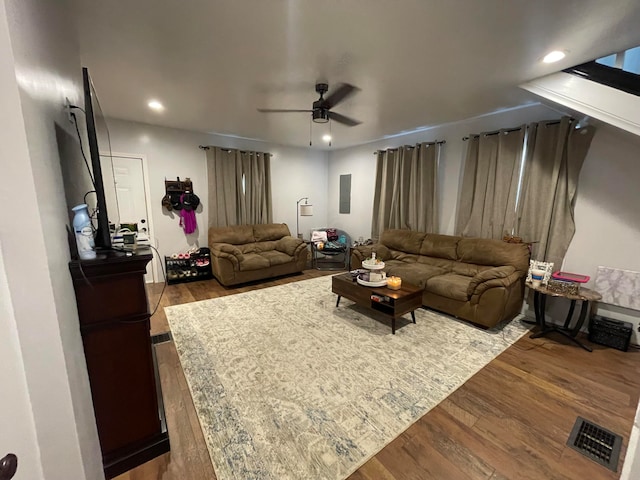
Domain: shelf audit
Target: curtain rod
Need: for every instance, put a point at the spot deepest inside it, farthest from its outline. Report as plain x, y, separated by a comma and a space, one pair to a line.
506, 130
229, 150
437, 142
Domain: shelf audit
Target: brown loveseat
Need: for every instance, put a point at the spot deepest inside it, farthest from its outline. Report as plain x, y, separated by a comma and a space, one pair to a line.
243, 253
475, 279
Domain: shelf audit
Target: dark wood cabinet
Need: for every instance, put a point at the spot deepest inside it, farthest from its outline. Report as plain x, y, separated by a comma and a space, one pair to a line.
114, 323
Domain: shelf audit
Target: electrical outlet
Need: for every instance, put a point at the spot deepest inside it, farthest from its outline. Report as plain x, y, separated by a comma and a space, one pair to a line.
67, 109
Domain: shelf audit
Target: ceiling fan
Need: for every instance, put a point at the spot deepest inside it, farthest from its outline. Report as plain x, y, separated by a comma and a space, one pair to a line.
321, 111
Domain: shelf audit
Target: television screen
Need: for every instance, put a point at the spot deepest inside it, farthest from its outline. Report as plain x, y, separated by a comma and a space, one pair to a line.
99, 143
85, 157
76, 174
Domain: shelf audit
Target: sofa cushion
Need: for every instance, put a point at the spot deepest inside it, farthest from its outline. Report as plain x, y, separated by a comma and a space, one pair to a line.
270, 231
450, 285
440, 246
362, 252
276, 258
414, 273
254, 261
235, 235
265, 246
388, 264
468, 269
403, 240
437, 262
403, 256
288, 245
247, 248
484, 251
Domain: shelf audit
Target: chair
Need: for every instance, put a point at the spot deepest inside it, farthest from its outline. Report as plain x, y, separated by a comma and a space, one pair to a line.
332, 254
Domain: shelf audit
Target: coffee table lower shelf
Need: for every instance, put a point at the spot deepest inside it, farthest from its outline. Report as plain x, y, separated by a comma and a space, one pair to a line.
394, 303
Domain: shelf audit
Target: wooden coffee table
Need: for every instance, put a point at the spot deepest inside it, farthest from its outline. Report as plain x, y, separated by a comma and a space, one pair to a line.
406, 300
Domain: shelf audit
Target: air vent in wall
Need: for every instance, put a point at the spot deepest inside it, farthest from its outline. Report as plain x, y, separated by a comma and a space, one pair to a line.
161, 338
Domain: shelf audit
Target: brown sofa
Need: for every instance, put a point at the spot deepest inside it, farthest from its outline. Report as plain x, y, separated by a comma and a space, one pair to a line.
476, 279
244, 253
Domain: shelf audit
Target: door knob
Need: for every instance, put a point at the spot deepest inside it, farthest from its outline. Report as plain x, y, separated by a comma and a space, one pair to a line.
8, 466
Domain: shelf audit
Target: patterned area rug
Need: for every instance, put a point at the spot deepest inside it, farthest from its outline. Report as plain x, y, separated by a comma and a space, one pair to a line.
287, 386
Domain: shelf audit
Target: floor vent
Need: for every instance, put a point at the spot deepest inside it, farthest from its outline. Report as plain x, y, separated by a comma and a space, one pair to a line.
596, 443
161, 338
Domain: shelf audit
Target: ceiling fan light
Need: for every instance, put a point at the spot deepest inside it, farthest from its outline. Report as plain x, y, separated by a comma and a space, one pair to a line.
320, 115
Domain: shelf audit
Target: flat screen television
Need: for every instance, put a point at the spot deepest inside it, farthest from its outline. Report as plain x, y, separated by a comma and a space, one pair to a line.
95, 126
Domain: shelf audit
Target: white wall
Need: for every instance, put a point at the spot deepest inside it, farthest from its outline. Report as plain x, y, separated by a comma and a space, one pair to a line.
171, 153
606, 212
43, 54
360, 162
17, 422
631, 468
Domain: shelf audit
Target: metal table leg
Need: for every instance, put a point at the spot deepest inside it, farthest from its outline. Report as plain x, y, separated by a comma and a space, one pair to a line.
539, 305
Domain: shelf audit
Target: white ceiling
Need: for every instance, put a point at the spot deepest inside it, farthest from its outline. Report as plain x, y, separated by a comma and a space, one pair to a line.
418, 63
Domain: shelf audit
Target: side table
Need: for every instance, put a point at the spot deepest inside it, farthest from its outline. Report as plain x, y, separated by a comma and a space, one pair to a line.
585, 295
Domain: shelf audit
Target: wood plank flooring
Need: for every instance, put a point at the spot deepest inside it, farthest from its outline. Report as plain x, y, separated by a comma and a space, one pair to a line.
509, 421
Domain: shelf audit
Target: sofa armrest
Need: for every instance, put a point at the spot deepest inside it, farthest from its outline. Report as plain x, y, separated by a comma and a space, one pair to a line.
290, 245
226, 250
493, 277
362, 252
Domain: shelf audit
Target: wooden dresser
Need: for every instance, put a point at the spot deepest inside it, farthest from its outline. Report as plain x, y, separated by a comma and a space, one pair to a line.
114, 324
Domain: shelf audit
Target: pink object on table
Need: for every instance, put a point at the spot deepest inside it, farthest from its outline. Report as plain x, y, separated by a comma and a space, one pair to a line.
571, 277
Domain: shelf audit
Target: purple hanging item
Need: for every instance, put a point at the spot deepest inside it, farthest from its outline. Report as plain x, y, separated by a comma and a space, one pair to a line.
187, 218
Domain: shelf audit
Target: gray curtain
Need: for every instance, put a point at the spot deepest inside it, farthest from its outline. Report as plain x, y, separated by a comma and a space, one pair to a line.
555, 154
239, 187
405, 191
487, 204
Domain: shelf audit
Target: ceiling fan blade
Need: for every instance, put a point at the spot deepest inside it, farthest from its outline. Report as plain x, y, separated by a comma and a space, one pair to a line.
343, 91
271, 110
349, 122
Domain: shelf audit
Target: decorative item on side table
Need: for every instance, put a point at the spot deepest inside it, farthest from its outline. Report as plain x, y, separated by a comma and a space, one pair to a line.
394, 283
374, 277
566, 282
571, 277
545, 267
563, 287
537, 275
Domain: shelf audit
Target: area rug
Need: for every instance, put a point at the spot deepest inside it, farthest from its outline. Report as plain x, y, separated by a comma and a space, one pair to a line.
287, 386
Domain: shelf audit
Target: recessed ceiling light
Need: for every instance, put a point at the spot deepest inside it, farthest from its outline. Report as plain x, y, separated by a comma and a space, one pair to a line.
554, 56
326, 138
155, 105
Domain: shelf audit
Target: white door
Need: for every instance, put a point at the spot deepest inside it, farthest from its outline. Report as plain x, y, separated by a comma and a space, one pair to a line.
16, 421
128, 198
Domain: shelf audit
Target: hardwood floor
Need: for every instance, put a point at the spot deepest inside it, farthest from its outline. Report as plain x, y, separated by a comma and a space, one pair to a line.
509, 421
